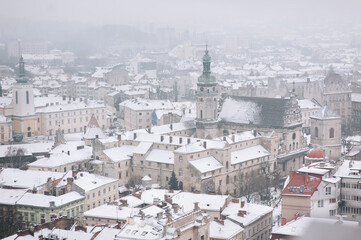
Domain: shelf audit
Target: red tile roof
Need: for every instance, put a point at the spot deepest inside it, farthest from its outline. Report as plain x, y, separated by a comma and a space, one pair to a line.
302, 185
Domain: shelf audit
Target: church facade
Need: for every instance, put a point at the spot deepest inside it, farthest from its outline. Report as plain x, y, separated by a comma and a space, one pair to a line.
277, 117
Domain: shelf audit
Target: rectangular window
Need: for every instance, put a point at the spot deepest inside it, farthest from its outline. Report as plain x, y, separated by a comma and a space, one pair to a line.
320, 203
328, 191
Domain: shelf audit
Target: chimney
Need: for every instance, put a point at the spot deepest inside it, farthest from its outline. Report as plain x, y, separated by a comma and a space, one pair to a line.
235, 200
124, 202
73, 98
205, 144
180, 140
170, 139
171, 126
306, 178
166, 196
196, 206
69, 180
120, 137
284, 221
64, 98
297, 215
159, 216
52, 204
134, 136
254, 132
130, 220
233, 138
242, 204
188, 140
324, 155
69, 153
224, 138
97, 136
161, 138
220, 222
175, 207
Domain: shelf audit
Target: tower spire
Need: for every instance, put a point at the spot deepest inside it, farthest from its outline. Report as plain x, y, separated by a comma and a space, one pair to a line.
21, 78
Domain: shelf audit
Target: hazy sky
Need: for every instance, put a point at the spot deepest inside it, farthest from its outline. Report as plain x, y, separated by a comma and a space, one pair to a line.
185, 13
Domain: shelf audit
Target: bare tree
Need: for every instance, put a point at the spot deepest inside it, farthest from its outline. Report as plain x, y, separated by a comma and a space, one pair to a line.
256, 184
134, 183
16, 155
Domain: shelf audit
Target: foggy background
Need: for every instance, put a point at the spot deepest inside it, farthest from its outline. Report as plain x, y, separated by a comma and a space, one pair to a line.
88, 27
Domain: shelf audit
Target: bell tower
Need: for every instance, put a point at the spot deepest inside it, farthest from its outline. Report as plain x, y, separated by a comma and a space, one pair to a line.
207, 101
24, 117
207, 93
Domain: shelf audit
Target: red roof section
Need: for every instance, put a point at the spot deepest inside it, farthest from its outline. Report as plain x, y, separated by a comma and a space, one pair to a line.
302, 185
93, 123
315, 153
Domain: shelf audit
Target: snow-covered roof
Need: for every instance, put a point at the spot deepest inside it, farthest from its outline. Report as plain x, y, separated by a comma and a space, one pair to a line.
147, 104
29, 149
349, 169
10, 196
111, 212
253, 212
249, 153
308, 104
299, 227
161, 156
206, 202
60, 159
227, 230
121, 153
89, 182
325, 113
43, 201
206, 164
27, 179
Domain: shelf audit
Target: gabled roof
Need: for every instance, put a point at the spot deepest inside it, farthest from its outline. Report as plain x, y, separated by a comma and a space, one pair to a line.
302, 185
93, 123
325, 113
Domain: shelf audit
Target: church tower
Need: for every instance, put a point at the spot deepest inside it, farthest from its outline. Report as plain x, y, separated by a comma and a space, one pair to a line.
24, 117
207, 99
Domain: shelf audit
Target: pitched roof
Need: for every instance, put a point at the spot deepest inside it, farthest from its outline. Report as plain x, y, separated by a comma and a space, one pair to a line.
325, 113
93, 123
268, 112
302, 185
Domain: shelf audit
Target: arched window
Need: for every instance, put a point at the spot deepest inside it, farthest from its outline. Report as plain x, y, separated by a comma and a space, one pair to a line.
227, 179
201, 114
227, 165
332, 132
16, 97
293, 146
316, 131
27, 97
